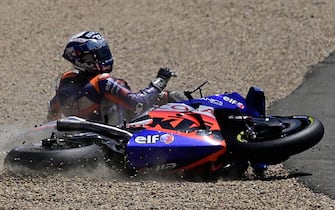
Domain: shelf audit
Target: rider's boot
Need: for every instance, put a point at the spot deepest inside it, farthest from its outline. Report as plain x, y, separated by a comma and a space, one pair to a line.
259, 168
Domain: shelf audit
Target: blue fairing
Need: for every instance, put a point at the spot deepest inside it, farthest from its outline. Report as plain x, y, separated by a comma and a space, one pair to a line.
253, 104
157, 150
256, 101
228, 101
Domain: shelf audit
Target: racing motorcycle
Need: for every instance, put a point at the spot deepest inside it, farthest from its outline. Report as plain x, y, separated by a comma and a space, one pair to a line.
206, 136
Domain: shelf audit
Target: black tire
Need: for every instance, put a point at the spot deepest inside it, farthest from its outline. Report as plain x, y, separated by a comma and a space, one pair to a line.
301, 133
37, 157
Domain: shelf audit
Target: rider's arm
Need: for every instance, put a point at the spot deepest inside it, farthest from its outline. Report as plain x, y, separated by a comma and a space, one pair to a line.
135, 101
53, 109
54, 105
114, 92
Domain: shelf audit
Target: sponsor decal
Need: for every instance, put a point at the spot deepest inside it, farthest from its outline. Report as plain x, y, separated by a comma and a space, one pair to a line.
153, 139
167, 138
166, 166
233, 101
111, 87
214, 101
175, 107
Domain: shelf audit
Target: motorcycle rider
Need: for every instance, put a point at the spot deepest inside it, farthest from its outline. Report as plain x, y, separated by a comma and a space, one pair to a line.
88, 91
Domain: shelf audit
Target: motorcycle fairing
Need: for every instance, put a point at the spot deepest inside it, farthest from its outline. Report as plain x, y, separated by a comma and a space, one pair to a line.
176, 140
256, 102
227, 101
178, 150
253, 104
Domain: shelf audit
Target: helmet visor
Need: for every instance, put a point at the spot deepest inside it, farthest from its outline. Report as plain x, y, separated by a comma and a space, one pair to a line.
100, 55
103, 54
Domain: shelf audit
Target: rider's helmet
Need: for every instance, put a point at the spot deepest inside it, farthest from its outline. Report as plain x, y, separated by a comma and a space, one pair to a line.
88, 51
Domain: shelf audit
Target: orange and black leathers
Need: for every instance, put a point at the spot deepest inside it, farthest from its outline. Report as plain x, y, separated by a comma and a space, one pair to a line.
82, 94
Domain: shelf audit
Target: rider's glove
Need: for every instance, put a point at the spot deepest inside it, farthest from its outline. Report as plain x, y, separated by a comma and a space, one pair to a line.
163, 76
165, 73
170, 97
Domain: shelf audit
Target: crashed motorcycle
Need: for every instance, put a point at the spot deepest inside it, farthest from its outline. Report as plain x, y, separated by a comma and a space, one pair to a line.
206, 136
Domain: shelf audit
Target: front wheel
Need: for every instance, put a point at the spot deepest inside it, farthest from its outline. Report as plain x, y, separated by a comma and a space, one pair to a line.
274, 139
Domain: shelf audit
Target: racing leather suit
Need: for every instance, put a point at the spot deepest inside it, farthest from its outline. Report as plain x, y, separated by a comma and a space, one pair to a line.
86, 95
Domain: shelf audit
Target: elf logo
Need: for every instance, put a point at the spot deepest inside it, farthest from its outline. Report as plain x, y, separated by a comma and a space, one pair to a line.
153, 139
233, 101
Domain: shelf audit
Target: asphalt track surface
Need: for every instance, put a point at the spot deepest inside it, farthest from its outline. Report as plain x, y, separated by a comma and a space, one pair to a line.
315, 97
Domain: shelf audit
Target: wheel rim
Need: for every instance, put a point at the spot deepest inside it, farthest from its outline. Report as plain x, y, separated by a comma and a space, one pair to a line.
290, 126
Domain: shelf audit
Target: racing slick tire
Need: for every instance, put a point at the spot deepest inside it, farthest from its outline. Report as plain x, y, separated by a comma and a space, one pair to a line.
36, 157
301, 134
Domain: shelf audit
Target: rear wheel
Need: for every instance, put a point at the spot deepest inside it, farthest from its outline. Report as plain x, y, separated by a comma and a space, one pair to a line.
273, 139
55, 154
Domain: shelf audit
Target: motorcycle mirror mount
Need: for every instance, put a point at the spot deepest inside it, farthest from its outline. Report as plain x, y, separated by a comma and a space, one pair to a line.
188, 93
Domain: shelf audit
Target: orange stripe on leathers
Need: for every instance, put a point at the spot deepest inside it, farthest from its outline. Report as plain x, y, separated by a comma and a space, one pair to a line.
95, 83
